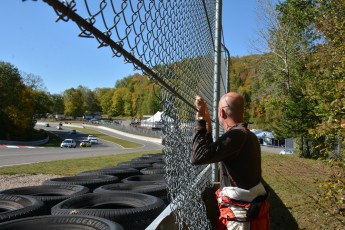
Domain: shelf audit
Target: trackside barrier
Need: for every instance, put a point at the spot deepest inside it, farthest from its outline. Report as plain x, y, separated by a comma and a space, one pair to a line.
166, 219
144, 138
26, 143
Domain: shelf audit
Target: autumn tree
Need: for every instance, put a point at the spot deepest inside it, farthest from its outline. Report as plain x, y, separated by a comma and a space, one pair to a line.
33, 81
57, 103
17, 110
121, 102
73, 103
289, 40
104, 96
134, 96
91, 104
42, 103
328, 66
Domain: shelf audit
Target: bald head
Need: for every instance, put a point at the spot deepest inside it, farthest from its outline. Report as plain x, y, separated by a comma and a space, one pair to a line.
233, 105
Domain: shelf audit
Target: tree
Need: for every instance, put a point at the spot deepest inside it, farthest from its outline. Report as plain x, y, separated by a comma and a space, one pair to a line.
122, 102
17, 110
328, 67
73, 103
42, 103
90, 103
104, 96
118, 102
57, 103
286, 73
134, 96
34, 82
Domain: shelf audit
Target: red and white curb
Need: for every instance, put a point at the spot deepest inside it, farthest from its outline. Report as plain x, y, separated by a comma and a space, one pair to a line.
18, 147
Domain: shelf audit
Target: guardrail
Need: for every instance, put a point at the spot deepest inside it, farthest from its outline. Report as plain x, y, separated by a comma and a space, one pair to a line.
25, 143
134, 130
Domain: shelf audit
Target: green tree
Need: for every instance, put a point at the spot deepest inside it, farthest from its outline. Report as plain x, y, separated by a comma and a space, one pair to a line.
104, 96
134, 96
285, 72
73, 103
91, 104
33, 81
42, 103
117, 107
17, 110
57, 105
328, 67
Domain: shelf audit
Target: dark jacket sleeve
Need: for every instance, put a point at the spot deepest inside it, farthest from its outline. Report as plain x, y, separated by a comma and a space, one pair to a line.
205, 151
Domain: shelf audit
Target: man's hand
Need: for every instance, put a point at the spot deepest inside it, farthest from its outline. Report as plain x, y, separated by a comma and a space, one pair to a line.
201, 105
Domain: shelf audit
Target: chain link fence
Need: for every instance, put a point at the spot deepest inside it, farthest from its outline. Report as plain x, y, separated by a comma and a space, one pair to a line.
174, 42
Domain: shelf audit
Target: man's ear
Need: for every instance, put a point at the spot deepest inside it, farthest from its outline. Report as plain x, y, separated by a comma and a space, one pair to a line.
223, 114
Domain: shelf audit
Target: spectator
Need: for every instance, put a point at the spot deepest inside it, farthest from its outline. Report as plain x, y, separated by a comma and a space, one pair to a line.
242, 198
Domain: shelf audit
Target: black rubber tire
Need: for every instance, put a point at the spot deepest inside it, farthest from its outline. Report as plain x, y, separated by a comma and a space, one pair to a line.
68, 222
89, 181
148, 178
146, 160
118, 172
135, 165
16, 206
155, 156
152, 170
158, 165
131, 210
157, 190
50, 195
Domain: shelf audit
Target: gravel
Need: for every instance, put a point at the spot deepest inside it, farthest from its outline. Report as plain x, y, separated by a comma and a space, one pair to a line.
22, 180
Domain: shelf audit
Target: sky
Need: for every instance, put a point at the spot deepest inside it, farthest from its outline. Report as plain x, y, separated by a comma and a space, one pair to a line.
33, 42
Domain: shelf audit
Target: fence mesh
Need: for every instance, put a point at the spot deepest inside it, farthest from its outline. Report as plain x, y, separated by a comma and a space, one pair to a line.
172, 42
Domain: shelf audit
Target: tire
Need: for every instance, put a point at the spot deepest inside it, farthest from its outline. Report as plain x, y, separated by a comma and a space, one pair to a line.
154, 156
135, 165
146, 160
68, 222
50, 195
152, 170
89, 181
157, 190
121, 173
131, 210
158, 178
158, 165
16, 206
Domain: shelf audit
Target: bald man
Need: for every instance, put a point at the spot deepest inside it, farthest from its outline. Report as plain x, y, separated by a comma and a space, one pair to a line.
242, 199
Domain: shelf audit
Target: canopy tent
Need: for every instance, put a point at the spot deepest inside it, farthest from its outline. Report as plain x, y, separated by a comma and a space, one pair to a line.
155, 118
265, 135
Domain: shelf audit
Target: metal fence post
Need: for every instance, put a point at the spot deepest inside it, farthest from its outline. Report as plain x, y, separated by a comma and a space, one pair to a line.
227, 82
217, 73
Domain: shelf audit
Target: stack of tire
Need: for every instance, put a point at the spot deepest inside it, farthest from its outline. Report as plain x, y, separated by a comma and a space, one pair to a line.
129, 195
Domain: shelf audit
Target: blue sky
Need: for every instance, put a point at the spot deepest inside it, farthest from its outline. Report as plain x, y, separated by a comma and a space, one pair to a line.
32, 41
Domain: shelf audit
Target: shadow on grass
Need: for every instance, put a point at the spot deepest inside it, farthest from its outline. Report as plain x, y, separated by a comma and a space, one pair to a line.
54, 140
280, 216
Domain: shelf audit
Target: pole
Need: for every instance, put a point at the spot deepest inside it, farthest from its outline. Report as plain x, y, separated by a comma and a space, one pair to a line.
227, 82
216, 81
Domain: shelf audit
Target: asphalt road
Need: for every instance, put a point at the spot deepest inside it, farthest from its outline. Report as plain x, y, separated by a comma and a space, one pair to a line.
16, 156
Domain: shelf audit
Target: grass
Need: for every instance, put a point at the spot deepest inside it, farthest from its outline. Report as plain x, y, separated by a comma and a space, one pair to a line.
54, 141
295, 194
72, 166
122, 142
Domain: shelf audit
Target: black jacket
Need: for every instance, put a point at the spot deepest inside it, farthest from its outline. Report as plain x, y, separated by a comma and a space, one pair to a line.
237, 150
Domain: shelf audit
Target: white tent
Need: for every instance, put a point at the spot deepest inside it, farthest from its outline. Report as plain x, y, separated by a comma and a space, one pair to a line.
155, 118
